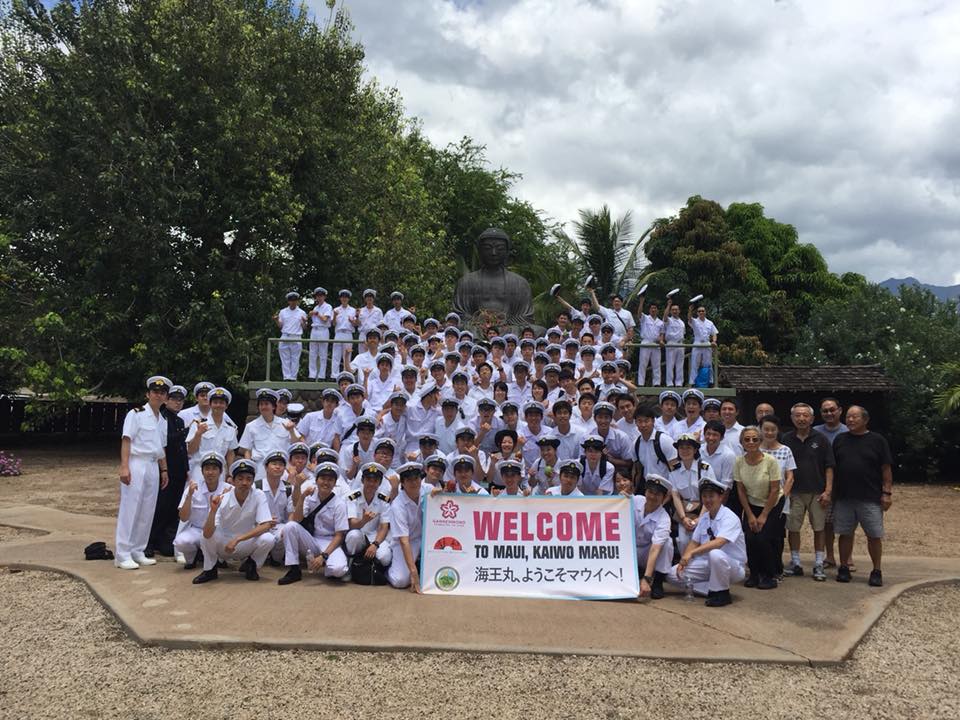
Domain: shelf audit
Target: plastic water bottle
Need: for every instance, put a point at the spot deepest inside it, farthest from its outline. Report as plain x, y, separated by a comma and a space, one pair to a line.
688, 586
310, 557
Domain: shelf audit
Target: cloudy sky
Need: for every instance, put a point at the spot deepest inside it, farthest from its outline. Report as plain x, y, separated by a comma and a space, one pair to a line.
841, 118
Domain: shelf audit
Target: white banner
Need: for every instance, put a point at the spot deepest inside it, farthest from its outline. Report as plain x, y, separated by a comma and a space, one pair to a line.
541, 546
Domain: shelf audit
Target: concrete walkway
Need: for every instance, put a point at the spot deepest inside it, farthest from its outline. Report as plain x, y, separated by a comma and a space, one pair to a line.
801, 622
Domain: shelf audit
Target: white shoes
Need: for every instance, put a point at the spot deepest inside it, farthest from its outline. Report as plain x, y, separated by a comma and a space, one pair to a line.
179, 557
142, 560
127, 564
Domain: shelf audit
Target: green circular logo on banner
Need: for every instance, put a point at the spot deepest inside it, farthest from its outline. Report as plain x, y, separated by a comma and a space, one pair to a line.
447, 579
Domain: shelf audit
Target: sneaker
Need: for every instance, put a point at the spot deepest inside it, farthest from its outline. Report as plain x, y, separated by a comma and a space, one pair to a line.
718, 598
818, 574
205, 576
127, 564
180, 558
142, 560
794, 571
766, 583
876, 579
843, 574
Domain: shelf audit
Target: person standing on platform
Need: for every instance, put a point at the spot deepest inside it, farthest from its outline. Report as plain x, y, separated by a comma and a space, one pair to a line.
651, 339
344, 324
143, 472
291, 320
369, 316
321, 318
704, 335
674, 330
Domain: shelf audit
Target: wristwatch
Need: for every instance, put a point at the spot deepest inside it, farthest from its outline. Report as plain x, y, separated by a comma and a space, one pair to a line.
376, 543
325, 555
648, 579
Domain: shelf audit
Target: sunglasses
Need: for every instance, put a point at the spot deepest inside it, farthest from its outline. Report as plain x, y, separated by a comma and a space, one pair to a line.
750, 440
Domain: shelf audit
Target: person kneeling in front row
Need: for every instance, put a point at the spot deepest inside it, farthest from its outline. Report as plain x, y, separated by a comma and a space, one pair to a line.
316, 528
654, 545
406, 529
368, 516
237, 526
715, 556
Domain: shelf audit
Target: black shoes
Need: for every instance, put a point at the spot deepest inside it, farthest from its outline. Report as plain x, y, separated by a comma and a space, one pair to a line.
794, 571
274, 563
718, 598
205, 576
766, 583
656, 590
293, 575
843, 574
876, 579
751, 581
249, 568
196, 562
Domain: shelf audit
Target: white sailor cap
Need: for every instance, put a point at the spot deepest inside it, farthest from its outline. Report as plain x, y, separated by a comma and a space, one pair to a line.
497, 340
385, 442
366, 422
436, 459
409, 370
528, 342
608, 365
603, 406
428, 437
298, 448
452, 316
463, 460
594, 319
284, 393
593, 440
554, 331
431, 321
202, 386
486, 402
551, 367
624, 364
319, 453
521, 365
346, 375
384, 357
243, 466
711, 402
178, 390
510, 405
213, 458
220, 393
532, 406
396, 295
607, 347
355, 388
720, 484
606, 327
450, 402
569, 466
399, 395
428, 387
293, 295
451, 331
407, 315
459, 375
319, 291
541, 356
687, 439
418, 348
331, 394
369, 292
658, 482
466, 334
509, 466
438, 363
510, 338
464, 345
373, 468
588, 350
373, 331
669, 395
410, 468
159, 382
571, 342
267, 394
344, 293
693, 393
327, 468
554, 347
295, 410
276, 455
463, 431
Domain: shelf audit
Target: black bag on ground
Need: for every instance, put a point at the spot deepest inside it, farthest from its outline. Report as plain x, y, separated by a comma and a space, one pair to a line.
97, 551
367, 572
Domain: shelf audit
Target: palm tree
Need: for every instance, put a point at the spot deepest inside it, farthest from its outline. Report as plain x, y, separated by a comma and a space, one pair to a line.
607, 249
948, 399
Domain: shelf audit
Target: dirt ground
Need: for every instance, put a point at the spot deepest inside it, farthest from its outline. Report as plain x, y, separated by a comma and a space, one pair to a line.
84, 479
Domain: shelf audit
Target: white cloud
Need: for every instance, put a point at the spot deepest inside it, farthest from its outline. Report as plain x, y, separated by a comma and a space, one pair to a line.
840, 118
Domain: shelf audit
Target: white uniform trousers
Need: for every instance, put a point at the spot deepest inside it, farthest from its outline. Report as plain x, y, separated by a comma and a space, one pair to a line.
664, 559
278, 550
649, 355
398, 574
188, 540
289, 357
215, 548
701, 356
683, 538
338, 351
138, 500
674, 366
318, 353
710, 573
298, 542
356, 543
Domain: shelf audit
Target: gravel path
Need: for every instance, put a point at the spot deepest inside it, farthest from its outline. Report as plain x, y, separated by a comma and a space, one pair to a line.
63, 652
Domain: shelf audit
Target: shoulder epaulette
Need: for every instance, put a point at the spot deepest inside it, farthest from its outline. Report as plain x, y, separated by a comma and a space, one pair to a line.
704, 465
229, 422
138, 408
383, 497
673, 464
354, 495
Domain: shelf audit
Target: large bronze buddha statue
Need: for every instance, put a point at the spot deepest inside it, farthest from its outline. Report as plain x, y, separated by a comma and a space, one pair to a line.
493, 288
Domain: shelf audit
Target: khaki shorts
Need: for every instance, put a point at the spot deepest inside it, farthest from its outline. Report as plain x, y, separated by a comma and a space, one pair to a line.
806, 504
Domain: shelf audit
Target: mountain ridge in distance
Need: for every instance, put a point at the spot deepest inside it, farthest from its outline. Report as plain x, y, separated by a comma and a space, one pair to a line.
942, 292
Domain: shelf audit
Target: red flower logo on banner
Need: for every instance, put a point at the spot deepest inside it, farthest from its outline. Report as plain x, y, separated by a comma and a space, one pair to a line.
449, 509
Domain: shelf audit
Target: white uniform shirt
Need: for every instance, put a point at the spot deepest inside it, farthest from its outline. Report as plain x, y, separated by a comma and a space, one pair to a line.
318, 310
235, 519
646, 454
200, 502
331, 519
315, 427
405, 521
348, 420
703, 330
531, 451
721, 462
276, 500
446, 434
681, 427
352, 446
651, 529
731, 439
292, 321
621, 320
520, 395
629, 429
420, 420
618, 444
395, 430
481, 455
592, 481
370, 318
569, 443
540, 481
392, 318
261, 437
650, 329
342, 317
147, 432
188, 415
686, 481
672, 428
357, 505
726, 525
584, 426
674, 330
556, 491
220, 439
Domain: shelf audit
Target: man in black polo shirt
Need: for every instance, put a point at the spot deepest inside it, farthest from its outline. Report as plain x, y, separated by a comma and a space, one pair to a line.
862, 491
812, 487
